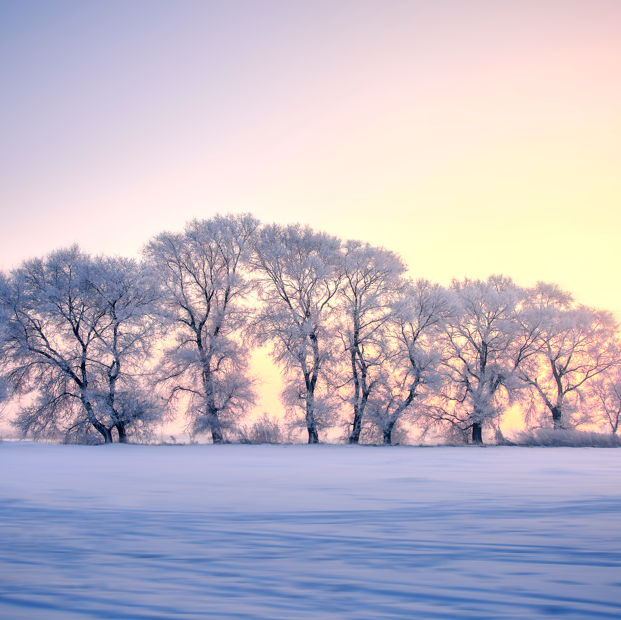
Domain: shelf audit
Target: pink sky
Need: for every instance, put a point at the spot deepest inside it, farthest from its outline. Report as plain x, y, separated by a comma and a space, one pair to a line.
472, 137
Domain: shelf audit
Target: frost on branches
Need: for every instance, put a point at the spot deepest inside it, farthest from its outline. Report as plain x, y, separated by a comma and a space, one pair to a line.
205, 285
410, 376
76, 333
575, 345
98, 349
371, 282
299, 273
478, 364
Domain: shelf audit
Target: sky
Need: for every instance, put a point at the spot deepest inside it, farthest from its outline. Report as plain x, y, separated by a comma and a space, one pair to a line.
470, 136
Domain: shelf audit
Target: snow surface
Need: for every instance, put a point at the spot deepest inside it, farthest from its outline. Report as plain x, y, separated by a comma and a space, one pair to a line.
308, 532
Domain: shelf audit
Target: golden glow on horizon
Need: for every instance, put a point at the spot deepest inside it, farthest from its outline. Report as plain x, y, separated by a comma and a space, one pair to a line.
470, 137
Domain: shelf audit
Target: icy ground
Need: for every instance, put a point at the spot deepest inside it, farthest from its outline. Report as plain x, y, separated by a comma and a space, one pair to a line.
301, 532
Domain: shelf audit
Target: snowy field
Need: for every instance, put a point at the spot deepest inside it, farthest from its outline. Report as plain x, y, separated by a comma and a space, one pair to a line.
308, 532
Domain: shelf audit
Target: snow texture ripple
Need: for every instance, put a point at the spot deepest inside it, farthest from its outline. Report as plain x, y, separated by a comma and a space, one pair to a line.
308, 532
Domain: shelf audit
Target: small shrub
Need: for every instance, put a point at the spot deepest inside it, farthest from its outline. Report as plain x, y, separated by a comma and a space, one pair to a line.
264, 430
565, 438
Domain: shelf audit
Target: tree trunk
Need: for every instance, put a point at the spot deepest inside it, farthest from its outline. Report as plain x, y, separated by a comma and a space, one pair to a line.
120, 428
103, 431
97, 425
214, 421
477, 432
312, 435
311, 424
388, 434
354, 437
557, 417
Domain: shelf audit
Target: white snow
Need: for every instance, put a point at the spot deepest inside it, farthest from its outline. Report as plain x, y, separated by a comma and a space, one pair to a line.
308, 532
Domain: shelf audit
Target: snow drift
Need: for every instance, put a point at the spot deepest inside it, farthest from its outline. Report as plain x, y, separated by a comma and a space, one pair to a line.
308, 532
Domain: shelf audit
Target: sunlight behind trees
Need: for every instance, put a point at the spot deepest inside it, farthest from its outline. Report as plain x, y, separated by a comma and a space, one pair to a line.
98, 348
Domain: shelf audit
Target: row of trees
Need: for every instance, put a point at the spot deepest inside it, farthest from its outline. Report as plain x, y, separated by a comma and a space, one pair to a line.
109, 347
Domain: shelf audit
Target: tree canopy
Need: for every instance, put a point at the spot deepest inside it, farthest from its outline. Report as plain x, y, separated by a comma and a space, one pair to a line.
98, 349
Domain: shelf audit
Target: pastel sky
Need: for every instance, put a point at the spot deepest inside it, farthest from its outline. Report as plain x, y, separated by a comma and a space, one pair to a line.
471, 136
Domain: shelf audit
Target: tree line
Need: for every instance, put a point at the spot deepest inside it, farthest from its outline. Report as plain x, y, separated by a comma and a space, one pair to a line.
98, 348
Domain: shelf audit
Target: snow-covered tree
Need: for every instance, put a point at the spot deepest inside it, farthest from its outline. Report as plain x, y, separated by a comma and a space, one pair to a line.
604, 393
372, 279
205, 288
480, 343
575, 344
65, 348
299, 272
128, 293
411, 370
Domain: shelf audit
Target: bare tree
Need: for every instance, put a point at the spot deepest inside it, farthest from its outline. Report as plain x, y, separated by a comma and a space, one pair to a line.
299, 272
575, 344
205, 289
411, 371
365, 305
56, 347
480, 349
